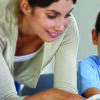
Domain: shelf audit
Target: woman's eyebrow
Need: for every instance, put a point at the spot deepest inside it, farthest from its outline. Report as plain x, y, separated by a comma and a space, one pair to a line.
70, 11
59, 12
55, 12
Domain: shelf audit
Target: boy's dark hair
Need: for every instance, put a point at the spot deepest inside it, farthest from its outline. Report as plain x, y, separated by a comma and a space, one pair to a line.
43, 3
97, 24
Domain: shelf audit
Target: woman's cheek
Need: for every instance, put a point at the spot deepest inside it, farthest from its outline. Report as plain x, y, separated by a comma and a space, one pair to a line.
49, 24
67, 21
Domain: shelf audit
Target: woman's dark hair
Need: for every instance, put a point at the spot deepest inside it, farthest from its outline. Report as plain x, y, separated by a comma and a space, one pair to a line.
43, 3
97, 24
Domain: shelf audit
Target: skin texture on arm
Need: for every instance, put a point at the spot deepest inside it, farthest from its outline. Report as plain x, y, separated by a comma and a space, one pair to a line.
54, 94
91, 91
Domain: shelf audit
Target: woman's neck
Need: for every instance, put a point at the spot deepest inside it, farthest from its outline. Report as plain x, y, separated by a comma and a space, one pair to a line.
28, 44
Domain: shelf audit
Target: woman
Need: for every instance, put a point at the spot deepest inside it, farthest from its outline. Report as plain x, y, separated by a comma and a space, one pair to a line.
32, 32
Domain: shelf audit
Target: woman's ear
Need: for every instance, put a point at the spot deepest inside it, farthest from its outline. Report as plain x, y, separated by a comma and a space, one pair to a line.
24, 6
94, 37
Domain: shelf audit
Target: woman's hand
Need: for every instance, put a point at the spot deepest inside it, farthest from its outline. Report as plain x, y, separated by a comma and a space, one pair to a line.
54, 94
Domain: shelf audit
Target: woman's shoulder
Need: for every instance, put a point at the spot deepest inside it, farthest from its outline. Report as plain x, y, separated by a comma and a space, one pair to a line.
8, 8
3, 5
3, 2
3, 10
7, 18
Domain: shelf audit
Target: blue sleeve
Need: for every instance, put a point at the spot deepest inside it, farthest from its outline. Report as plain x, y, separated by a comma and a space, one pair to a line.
87, 76
18, 86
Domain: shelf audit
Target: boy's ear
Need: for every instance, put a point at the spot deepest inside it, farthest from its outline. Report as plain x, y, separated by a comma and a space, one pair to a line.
94, 37
24, 6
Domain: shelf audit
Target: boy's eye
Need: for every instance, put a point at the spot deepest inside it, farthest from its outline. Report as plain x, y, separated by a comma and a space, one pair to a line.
51, 16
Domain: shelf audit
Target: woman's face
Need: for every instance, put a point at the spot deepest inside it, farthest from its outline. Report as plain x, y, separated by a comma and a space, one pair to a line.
49, 22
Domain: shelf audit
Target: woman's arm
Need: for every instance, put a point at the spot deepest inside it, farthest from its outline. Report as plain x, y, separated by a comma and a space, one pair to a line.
90, 92
54, 94
65, 61
7, 86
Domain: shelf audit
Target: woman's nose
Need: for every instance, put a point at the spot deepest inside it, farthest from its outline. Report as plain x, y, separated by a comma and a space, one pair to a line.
60, 26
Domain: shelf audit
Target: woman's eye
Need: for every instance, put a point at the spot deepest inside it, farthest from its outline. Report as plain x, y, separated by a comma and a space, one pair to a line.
51, 16
68, 15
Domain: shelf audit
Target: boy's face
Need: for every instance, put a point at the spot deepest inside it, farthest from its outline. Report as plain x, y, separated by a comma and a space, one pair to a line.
96, 40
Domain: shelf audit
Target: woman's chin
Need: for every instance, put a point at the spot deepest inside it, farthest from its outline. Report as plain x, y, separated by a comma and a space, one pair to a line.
50, 40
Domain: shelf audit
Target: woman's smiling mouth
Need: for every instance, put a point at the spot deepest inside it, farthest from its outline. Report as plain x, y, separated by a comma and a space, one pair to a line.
53, 34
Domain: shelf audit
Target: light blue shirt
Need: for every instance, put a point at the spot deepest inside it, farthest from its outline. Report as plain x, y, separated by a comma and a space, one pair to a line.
89, 73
